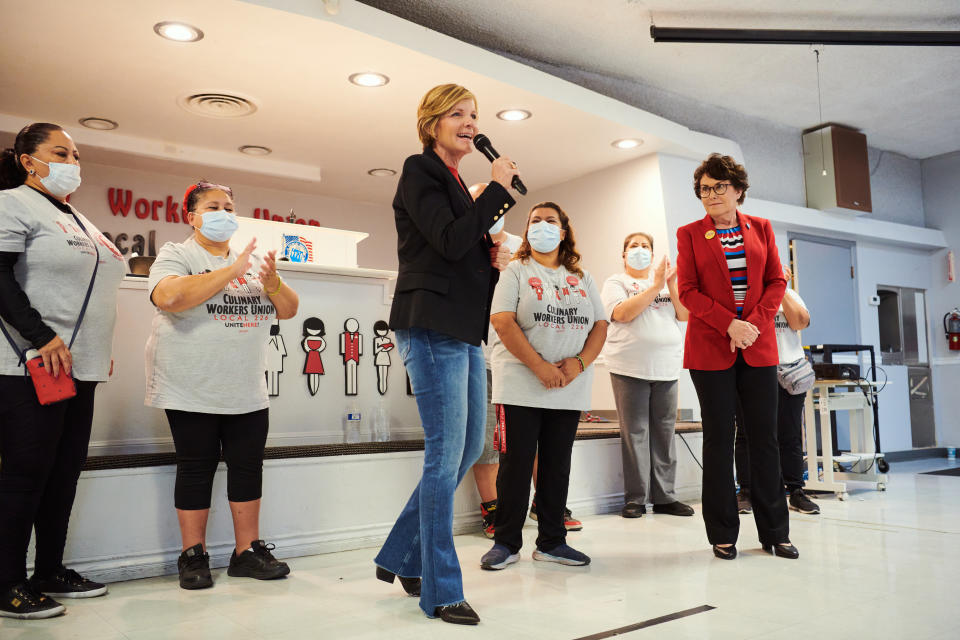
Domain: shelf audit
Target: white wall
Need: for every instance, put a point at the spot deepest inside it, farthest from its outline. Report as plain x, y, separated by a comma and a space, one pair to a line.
941, 176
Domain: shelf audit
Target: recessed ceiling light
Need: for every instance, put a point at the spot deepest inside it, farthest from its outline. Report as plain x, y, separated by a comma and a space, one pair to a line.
627, 143
178, 31
382, 173
369, 79
514, 114
255, 150
101, 124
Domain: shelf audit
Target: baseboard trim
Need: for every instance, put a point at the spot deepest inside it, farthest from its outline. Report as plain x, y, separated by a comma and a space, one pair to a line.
915, 454
164, 562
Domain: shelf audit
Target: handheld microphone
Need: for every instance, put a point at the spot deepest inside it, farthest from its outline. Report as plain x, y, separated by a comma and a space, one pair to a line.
484, 146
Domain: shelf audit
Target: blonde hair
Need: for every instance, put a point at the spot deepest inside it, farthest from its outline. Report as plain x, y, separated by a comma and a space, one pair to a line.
434, 105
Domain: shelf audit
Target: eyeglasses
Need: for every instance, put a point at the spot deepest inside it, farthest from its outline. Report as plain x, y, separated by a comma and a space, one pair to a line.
720, 188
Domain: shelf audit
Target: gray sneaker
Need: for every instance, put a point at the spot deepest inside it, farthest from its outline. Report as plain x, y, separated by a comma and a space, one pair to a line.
499, 557
800, 502
562, 554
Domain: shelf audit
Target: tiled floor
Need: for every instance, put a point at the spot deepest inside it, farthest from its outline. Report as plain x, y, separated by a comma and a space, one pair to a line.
877, 565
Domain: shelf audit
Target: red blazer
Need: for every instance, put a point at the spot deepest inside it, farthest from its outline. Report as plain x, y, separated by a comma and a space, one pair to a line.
703, 282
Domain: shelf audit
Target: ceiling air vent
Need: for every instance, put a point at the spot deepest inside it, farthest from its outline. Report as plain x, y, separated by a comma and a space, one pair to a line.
218, 105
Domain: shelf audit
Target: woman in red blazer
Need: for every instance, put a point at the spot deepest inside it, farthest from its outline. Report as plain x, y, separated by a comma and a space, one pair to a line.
729, 277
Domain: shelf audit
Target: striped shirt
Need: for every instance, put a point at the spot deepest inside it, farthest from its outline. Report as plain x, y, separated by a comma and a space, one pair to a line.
731, 241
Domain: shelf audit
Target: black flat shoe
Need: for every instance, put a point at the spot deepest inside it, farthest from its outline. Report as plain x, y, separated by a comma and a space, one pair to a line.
410, 585
784, 550
460, 613
725, 553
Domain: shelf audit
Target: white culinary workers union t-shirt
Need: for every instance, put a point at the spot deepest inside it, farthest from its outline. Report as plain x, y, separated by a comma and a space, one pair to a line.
788, 340
650, 346
556, 310
211, 358
54, 270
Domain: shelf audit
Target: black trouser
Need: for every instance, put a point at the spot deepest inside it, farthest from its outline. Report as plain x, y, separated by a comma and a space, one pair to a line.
199, 438
527, 429
42, 450
756, 389
789, 437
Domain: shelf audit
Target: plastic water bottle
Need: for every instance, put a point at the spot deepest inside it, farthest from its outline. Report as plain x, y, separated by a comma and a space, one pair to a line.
381, 423
352, 424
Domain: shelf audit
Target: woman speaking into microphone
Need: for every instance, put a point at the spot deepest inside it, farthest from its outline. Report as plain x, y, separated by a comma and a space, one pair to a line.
440, 315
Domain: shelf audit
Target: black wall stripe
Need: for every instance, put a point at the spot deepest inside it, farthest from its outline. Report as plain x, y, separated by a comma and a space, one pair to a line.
648, 623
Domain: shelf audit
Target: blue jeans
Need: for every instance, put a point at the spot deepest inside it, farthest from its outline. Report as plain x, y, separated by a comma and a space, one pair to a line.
449, 380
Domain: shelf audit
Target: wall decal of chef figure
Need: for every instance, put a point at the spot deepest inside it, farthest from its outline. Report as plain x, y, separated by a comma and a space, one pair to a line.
382, 346
313, 343
276, 352
351, 348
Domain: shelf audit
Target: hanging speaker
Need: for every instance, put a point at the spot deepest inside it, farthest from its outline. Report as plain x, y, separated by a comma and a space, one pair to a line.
836, 170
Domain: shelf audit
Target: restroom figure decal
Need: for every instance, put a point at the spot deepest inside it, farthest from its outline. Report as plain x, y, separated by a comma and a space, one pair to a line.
276, 352
313, 344
382, 346
351, 348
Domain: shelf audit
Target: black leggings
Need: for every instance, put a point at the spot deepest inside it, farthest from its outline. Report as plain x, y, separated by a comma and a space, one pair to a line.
789, 437
552, 431
42, 450
199, 437
756, 389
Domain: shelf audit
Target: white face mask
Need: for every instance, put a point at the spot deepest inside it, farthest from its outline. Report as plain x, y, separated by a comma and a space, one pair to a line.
544, 237
639, 258
63, 179
497, 226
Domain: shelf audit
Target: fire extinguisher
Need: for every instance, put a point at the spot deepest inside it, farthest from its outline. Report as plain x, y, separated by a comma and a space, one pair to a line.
951, 324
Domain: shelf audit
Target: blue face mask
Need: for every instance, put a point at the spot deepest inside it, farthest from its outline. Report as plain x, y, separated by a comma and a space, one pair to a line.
544, 237
639, 258
497, 226
63, 179
218, 226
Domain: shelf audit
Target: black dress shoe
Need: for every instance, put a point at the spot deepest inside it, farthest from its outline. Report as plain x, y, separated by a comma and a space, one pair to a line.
725, 553
633, 510
784, 550
410, 585
460, 613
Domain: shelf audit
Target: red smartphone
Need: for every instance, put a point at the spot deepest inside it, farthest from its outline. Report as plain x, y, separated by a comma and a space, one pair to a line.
50, 390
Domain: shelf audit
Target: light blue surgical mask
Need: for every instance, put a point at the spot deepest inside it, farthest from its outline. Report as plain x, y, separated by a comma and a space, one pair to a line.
497, 226
544, 237
219, 226
639, 258
63, 179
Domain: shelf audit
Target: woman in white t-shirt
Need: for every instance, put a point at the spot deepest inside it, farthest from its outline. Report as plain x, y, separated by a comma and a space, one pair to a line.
205, 359
643, 354
791, 318
51, 259
550, 328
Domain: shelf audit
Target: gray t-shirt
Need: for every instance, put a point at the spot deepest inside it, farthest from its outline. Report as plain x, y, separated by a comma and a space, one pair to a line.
211, 358
556, 310
54, 271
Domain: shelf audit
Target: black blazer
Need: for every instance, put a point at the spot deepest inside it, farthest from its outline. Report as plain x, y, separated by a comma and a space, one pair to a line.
445, 280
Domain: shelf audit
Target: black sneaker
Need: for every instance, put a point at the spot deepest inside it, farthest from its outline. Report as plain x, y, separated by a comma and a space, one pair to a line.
257, 562
743, 502
800, 502
67, 584
488, 512
194, 567
674, 508
21, 601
